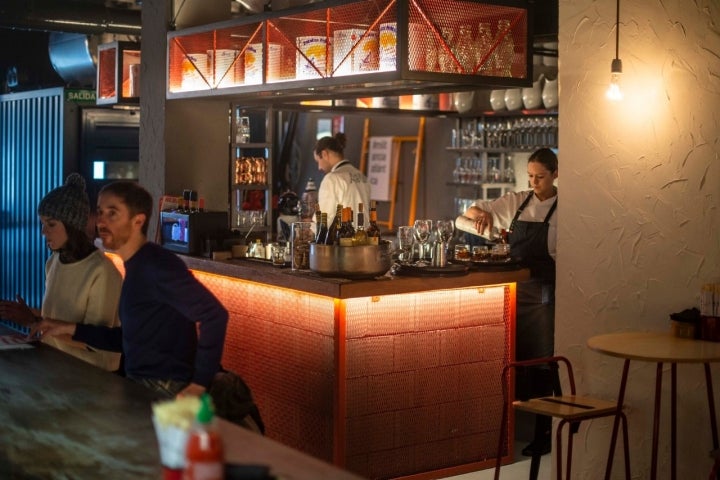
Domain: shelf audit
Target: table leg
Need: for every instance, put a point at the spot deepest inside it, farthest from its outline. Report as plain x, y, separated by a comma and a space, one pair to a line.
616, 422
711, 405
656, 422
673, 421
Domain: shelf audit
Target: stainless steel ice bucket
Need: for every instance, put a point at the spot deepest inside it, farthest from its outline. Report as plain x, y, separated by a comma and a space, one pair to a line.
354, 262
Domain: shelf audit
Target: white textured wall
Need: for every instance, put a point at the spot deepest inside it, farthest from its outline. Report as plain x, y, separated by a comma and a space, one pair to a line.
639, 217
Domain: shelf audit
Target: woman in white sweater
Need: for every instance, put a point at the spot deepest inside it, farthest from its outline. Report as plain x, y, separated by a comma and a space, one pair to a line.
81, 284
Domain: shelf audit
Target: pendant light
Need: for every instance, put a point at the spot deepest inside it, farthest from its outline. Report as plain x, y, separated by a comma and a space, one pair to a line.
614, 93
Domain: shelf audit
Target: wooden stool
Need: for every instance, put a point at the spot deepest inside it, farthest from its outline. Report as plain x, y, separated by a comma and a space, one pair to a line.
571, 409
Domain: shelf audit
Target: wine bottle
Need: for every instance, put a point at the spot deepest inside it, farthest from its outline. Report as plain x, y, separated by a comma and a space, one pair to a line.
322, 230
318, 221
346, 232
360, 237
334, 226
373, 232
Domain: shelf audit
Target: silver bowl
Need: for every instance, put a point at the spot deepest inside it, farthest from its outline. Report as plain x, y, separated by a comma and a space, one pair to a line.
361, 261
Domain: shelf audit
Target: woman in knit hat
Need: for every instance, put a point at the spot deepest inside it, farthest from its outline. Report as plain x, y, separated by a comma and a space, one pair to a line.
81, 284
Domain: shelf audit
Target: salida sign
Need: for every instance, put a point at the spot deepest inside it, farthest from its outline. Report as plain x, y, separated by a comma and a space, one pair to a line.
80, 95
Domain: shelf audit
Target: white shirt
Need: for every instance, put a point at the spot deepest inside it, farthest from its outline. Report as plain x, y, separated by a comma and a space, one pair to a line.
503, 210
346, 185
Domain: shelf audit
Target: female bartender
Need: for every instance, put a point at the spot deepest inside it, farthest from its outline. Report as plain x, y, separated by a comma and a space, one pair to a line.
530, 220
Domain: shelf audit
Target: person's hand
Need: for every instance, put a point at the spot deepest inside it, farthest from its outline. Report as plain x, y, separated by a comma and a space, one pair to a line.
193, 389
483, 220
17, 311
47, 327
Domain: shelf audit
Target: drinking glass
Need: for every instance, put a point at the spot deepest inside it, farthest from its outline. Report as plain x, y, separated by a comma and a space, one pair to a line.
406, 239
445, 229
423, 229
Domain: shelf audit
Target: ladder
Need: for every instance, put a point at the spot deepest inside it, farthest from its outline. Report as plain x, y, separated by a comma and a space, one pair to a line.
397, 147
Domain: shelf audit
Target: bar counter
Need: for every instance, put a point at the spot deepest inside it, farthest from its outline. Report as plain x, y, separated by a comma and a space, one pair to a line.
388, 378
63, 418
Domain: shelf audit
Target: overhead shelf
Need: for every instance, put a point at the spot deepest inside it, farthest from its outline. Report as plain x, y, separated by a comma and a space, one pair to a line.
347, 49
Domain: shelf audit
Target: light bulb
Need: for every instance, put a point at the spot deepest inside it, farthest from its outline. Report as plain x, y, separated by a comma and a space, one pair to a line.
614, 93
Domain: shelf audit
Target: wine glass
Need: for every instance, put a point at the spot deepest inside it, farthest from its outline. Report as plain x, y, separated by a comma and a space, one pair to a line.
405, 242
423, 229
444, 229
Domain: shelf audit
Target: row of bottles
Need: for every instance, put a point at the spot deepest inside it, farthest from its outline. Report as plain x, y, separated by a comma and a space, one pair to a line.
343, 232
189, 202
250, 170
471, 51
470, 170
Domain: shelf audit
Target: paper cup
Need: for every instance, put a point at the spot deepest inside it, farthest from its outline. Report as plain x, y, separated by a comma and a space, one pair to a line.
353, 52
311, 56
195, 74
221, 65
388, 46
172, 441
253, 63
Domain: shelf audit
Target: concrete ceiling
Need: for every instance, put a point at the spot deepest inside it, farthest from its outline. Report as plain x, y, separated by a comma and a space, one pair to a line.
72, 16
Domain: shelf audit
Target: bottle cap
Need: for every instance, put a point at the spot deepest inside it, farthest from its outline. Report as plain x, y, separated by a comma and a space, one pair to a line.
205, 414
310, 185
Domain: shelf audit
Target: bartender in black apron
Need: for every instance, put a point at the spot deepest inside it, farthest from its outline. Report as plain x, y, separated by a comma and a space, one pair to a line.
535, 328
531, 241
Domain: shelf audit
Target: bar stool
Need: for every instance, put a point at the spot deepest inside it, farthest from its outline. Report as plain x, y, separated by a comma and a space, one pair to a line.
570, 409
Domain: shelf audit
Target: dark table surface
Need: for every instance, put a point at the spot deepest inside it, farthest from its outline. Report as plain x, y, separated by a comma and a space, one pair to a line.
61, 418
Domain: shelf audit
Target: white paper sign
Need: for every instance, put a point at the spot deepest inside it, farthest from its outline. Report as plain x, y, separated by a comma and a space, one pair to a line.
379, 167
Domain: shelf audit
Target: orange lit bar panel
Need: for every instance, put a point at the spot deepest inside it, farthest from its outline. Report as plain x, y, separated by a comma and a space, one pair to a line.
401, 384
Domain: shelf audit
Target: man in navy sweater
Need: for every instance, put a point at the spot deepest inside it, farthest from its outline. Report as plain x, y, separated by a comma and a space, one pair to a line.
161, 304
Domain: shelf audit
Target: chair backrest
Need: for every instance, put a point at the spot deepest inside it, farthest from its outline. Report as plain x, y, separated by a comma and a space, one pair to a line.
551, 362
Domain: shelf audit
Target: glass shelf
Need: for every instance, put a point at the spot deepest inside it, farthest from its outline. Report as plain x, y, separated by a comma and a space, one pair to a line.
343, 49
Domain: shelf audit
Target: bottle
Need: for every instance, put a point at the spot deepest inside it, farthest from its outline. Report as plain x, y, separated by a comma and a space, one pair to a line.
465, 49
204, 451
322, 231
310, 195
483, 43
360, 237
259, 250
334, 226
505, 51
318, 223
373, 232
346, 232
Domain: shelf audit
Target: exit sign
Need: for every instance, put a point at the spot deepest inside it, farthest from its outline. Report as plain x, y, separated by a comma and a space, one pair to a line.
80, 95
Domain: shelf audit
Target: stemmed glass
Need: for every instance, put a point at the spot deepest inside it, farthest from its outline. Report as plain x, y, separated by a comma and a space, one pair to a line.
423, 229
405, 242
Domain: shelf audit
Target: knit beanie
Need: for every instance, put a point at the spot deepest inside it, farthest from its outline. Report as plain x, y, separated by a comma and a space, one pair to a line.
69, 203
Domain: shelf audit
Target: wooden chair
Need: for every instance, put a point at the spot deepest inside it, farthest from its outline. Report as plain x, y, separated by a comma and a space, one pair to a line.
571, 409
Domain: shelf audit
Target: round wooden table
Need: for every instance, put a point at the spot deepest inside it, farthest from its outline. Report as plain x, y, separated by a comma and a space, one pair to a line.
660, 347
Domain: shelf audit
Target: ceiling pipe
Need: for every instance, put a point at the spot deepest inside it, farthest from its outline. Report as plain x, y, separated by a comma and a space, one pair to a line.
52, 16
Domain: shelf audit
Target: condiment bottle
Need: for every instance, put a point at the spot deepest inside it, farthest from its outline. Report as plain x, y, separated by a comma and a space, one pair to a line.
204, 451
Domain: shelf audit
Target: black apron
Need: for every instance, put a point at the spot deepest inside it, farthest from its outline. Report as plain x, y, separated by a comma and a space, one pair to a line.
535, 329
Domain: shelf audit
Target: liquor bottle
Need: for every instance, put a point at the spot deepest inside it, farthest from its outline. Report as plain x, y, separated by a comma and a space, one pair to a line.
346, 232
318, 221
322, 231
373, 232
360, 237
334, 226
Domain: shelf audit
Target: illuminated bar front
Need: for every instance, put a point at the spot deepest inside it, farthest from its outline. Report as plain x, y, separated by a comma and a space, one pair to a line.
387, 378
